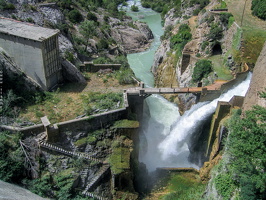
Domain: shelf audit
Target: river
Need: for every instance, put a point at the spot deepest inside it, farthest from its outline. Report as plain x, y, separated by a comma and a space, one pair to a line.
165, 141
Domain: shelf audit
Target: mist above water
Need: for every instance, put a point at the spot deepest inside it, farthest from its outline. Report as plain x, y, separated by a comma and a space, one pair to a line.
165, 140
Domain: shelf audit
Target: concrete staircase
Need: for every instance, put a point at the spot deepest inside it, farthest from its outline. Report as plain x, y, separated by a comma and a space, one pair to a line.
102, 171
95, 196
68, 153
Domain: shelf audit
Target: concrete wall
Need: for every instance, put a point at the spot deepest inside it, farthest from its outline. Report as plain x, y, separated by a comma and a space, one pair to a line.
90, 67
209, 95
222, 110
27, 131
89, 123
39, 60
27, 54
92, 122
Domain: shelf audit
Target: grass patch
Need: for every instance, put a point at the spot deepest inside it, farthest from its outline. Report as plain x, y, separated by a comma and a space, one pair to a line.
98, 102
81, 142
184, 186
119, 160
254, 40
221, 70
126, 124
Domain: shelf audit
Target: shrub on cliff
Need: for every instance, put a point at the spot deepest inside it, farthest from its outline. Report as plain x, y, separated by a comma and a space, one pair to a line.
201, 70
75, 16
179, 40
247, 149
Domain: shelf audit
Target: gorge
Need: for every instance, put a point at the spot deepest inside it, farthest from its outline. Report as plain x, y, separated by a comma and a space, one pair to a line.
121, 147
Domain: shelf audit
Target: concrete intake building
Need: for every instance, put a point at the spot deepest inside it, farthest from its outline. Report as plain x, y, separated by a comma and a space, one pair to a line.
34, 49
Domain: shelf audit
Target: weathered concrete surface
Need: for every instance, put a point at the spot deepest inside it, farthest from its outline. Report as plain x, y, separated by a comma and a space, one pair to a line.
257, 84
13, 192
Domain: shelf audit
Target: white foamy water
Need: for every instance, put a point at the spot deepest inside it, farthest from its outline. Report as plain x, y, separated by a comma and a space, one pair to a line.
175, 143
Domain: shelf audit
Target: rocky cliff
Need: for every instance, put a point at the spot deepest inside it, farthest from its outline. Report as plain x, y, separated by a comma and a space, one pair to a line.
258, 83
128, 36
211, 35
9, 191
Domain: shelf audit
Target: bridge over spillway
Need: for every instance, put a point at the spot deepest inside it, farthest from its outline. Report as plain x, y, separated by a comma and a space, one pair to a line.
145, 92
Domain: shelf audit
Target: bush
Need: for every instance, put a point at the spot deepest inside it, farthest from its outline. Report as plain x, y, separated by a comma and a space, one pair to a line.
201, 70
102, 44
224, 185
167, 33
92, 16
11, 158
224, 17
247, 149
216, 32
124, 76
134, 8
178, 41
258, 8
145, 4
6, 6
204, 45
75, 16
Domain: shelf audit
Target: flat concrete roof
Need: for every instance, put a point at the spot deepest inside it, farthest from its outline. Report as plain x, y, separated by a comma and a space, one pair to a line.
25, 30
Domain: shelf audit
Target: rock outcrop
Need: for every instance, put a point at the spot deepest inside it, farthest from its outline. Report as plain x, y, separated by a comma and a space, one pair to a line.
133, 39
9, 191
71, 73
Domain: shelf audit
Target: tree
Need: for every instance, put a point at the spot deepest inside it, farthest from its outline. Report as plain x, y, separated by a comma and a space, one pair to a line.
247, 149
201, 70
87, 29
259, 8
134, 8
75, 16
216, 32
11, 158
178, 41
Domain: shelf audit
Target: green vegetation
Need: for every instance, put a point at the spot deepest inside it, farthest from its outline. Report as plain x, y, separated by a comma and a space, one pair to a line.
92, 16
252, 38
241, 171
184, 187
216, 32
124, 76
222, 5
179, 185
164, 6
119, 160
222, 70
134, 8
6, 6
75, 16
178, 41
247, 150
224, 185
90, 139
258, 8
227, 19
100, 101
12, 167
126, 124
202, 70
167, 32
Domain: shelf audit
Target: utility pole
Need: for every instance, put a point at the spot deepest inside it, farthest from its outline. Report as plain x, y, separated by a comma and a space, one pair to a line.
243, 12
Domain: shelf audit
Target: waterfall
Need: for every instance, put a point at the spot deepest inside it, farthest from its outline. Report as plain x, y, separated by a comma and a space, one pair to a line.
166, 139
176, 142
